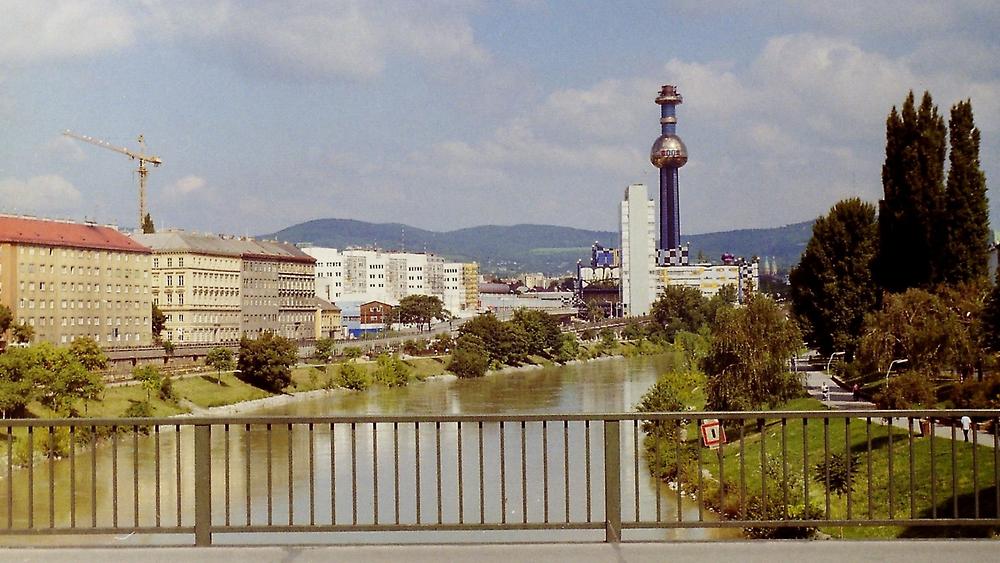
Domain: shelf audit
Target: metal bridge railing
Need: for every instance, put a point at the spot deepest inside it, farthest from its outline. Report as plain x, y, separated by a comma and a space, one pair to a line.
779, 472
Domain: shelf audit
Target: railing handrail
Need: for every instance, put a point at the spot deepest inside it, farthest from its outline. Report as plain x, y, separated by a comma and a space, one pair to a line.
201, 420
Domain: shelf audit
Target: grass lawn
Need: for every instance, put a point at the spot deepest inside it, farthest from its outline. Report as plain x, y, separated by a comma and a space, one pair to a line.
877, 497
205, 391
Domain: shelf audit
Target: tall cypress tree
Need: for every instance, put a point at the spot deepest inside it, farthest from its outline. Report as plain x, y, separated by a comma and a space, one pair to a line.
912, 210
967, 230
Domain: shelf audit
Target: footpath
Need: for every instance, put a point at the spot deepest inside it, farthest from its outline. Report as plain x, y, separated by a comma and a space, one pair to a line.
841, 398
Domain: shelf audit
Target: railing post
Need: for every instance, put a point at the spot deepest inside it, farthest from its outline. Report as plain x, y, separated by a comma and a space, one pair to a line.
203, 485
612, 482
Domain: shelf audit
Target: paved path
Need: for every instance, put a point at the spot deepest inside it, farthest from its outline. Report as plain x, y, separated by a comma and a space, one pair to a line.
908, 551
842, 399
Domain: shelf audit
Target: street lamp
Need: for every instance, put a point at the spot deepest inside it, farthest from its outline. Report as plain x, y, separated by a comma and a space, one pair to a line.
892, 363
831, 359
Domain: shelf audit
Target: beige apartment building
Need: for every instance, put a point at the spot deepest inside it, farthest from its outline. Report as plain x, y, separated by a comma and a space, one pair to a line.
216, 289
67, 280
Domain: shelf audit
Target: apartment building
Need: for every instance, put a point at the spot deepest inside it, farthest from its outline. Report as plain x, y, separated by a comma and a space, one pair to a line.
67, 280
461, 288
217, 289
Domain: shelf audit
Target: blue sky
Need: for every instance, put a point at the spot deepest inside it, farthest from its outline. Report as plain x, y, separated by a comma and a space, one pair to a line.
452, 114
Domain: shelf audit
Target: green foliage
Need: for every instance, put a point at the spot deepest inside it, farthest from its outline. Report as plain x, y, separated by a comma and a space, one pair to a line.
159, 320
22, 333
990, 317
673, 392
832, 286
353, 377
469, 359
18, 371
504, 343
391, 371
842, 468
540, 329
149, 377
413, 347
915, 325
352, 352
679, 308
168, 348
267, 361
141, 409
220, 359
632, 331
49, 443
971, 394
56, 377
442, 343
967, 236
569, 349
694, 347
748, 358
911, 213
420, 309
6, 320
89, 353
147, 225
908, 390
323, 349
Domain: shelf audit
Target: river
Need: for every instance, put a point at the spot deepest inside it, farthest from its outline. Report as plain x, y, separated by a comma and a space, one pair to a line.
603, 386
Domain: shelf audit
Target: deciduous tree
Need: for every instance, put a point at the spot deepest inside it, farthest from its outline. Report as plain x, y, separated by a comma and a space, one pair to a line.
967, 231
267, 361
220, 359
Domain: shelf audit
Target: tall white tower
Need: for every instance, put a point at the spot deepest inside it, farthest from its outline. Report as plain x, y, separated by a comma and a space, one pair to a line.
638, 224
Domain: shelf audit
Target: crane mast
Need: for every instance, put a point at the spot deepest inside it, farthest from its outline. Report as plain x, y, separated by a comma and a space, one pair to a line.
141, 156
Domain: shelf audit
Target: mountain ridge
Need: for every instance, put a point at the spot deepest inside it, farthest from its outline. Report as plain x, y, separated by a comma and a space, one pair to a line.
528, 247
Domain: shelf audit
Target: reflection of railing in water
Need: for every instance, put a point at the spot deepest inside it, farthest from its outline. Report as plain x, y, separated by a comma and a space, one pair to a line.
205, 476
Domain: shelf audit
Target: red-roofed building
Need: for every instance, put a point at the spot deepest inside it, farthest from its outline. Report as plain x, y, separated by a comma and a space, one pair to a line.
68, 280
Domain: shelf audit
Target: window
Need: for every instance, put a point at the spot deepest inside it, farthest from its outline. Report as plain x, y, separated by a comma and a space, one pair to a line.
170, 262
180, 279
170, 281
156, 262
180, 262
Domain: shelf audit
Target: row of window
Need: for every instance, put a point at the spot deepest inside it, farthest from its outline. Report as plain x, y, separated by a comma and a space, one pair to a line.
82, 287
86, 321
86, 254
24, 303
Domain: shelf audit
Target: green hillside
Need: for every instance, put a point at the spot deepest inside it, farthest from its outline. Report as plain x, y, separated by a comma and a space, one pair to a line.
533, 248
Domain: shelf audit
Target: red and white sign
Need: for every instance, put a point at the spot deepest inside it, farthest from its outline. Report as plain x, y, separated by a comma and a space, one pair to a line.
712, 433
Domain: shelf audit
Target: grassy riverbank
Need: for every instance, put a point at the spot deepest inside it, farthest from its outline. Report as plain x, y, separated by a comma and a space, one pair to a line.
807, 447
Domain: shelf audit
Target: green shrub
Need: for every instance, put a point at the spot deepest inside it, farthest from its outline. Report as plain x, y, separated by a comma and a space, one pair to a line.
908, 390
469, 358
391, 371
842, 468
353, 377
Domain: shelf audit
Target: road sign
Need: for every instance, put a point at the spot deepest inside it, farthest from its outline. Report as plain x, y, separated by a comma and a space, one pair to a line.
712, 433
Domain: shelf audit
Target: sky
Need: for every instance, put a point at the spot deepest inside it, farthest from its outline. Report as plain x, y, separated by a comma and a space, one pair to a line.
452, 114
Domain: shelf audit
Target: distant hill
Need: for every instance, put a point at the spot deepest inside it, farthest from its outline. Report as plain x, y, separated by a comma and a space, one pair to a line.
532, 248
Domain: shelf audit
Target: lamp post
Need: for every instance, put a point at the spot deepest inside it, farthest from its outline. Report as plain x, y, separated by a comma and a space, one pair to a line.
892, 363
830, 361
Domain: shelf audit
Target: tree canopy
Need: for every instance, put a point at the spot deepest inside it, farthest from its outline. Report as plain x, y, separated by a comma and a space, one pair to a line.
420, 309
89, 353
267, 361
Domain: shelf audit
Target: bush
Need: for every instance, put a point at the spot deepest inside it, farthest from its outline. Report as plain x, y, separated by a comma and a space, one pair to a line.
50, 443
842, 468
166, 390
391, 371
469, 358
972, 394
352, 352
909, 390
353, 377
267, 361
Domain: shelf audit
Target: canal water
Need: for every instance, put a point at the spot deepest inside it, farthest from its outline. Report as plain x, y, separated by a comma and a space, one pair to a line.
549, 472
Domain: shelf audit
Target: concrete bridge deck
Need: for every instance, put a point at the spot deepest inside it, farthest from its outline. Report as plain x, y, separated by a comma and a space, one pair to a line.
909, 551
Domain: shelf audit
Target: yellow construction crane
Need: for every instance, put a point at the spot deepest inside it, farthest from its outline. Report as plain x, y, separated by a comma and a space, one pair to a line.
141, 156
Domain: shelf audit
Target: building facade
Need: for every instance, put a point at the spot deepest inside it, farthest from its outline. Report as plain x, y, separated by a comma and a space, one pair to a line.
68, 280
638, 224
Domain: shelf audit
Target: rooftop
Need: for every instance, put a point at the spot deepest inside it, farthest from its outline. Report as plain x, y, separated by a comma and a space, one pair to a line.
48, 232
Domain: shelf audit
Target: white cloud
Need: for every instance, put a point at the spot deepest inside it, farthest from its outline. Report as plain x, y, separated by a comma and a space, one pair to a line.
39, 195
186, 186
66, 149
56, 29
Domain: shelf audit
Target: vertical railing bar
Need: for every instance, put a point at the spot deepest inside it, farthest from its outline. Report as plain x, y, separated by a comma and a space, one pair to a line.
545, 472
72, 476
52, 481
524, 477
701, 478
954, 473
270, 496
566, 468
135, 475
10, 476
93, 476
657, 457
805, 464
156, 468
826, 462
761, 423
226, 437
246, 460
743, 472
849, 457
975, 472
635, 469
482, 493
612, 482
437, 451
202, 449
312, 475
892, 473
868, 437
31, 477
375, 472
333, 475
996, 462
720, 453
784, 468
932, 439
586, 447
416, 463
461, 488
354, 473
114, 476
177, 468
289, 440
503, 474
680, 485
913, 473
395, 470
